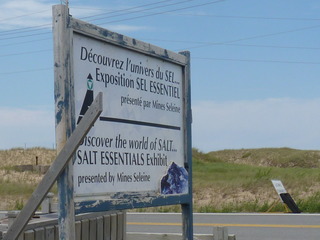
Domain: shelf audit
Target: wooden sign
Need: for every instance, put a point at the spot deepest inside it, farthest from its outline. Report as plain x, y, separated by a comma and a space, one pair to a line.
138, 153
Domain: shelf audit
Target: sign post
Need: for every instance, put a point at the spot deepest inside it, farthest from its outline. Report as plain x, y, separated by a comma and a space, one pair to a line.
285, 197
187, 208
64, 115
138, 154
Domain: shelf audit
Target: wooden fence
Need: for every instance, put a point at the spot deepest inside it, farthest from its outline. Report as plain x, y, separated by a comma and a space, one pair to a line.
91, 226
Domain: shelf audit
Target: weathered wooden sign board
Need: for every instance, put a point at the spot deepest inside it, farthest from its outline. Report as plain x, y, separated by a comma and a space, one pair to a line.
138, 154
139, 137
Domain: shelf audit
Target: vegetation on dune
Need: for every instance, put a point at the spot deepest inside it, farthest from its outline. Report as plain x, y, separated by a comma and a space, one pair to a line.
270, 157
242, 179
223, 181
21, 156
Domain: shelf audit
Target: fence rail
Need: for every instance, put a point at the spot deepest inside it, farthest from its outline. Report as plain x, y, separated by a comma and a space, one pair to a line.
93, 226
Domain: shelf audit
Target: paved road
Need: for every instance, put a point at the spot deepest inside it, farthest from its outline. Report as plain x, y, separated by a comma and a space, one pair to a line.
244, 226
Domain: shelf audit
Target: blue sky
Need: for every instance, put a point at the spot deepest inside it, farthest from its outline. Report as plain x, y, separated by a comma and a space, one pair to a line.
255, 66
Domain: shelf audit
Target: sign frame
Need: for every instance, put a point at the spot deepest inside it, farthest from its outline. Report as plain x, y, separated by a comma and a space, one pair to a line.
65, 117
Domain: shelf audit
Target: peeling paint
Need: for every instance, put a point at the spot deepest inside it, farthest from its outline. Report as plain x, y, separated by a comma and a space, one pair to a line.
120, 39
121, 201
59, 112
104, 32
166, 53
56, 93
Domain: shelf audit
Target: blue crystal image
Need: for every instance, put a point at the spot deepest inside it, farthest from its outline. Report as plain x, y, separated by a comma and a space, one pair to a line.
175, 181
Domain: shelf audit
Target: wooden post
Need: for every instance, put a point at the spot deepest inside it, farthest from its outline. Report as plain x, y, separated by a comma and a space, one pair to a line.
46, 203
187, 208
12, 215
64, 122
220, 233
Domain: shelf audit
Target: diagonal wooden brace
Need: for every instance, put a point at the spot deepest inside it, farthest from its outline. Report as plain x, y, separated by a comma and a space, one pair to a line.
56, 168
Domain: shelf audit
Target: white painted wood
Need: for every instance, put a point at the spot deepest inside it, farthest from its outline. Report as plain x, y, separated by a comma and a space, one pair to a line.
125, 41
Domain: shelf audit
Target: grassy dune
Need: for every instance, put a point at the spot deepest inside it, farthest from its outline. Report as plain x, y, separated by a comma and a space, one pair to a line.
15, 186
239, 180
224, 181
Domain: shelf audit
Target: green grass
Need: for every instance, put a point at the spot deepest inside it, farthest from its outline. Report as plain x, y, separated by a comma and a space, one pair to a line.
227, 172
12, 188
215, 172
240, 175
276, 157
311, 204
230, 177
308, 205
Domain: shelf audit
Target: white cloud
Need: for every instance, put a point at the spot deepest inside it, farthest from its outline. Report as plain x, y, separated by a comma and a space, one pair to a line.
17, 14
30, 13
216, 125
24, 13
259, 123
26, 127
